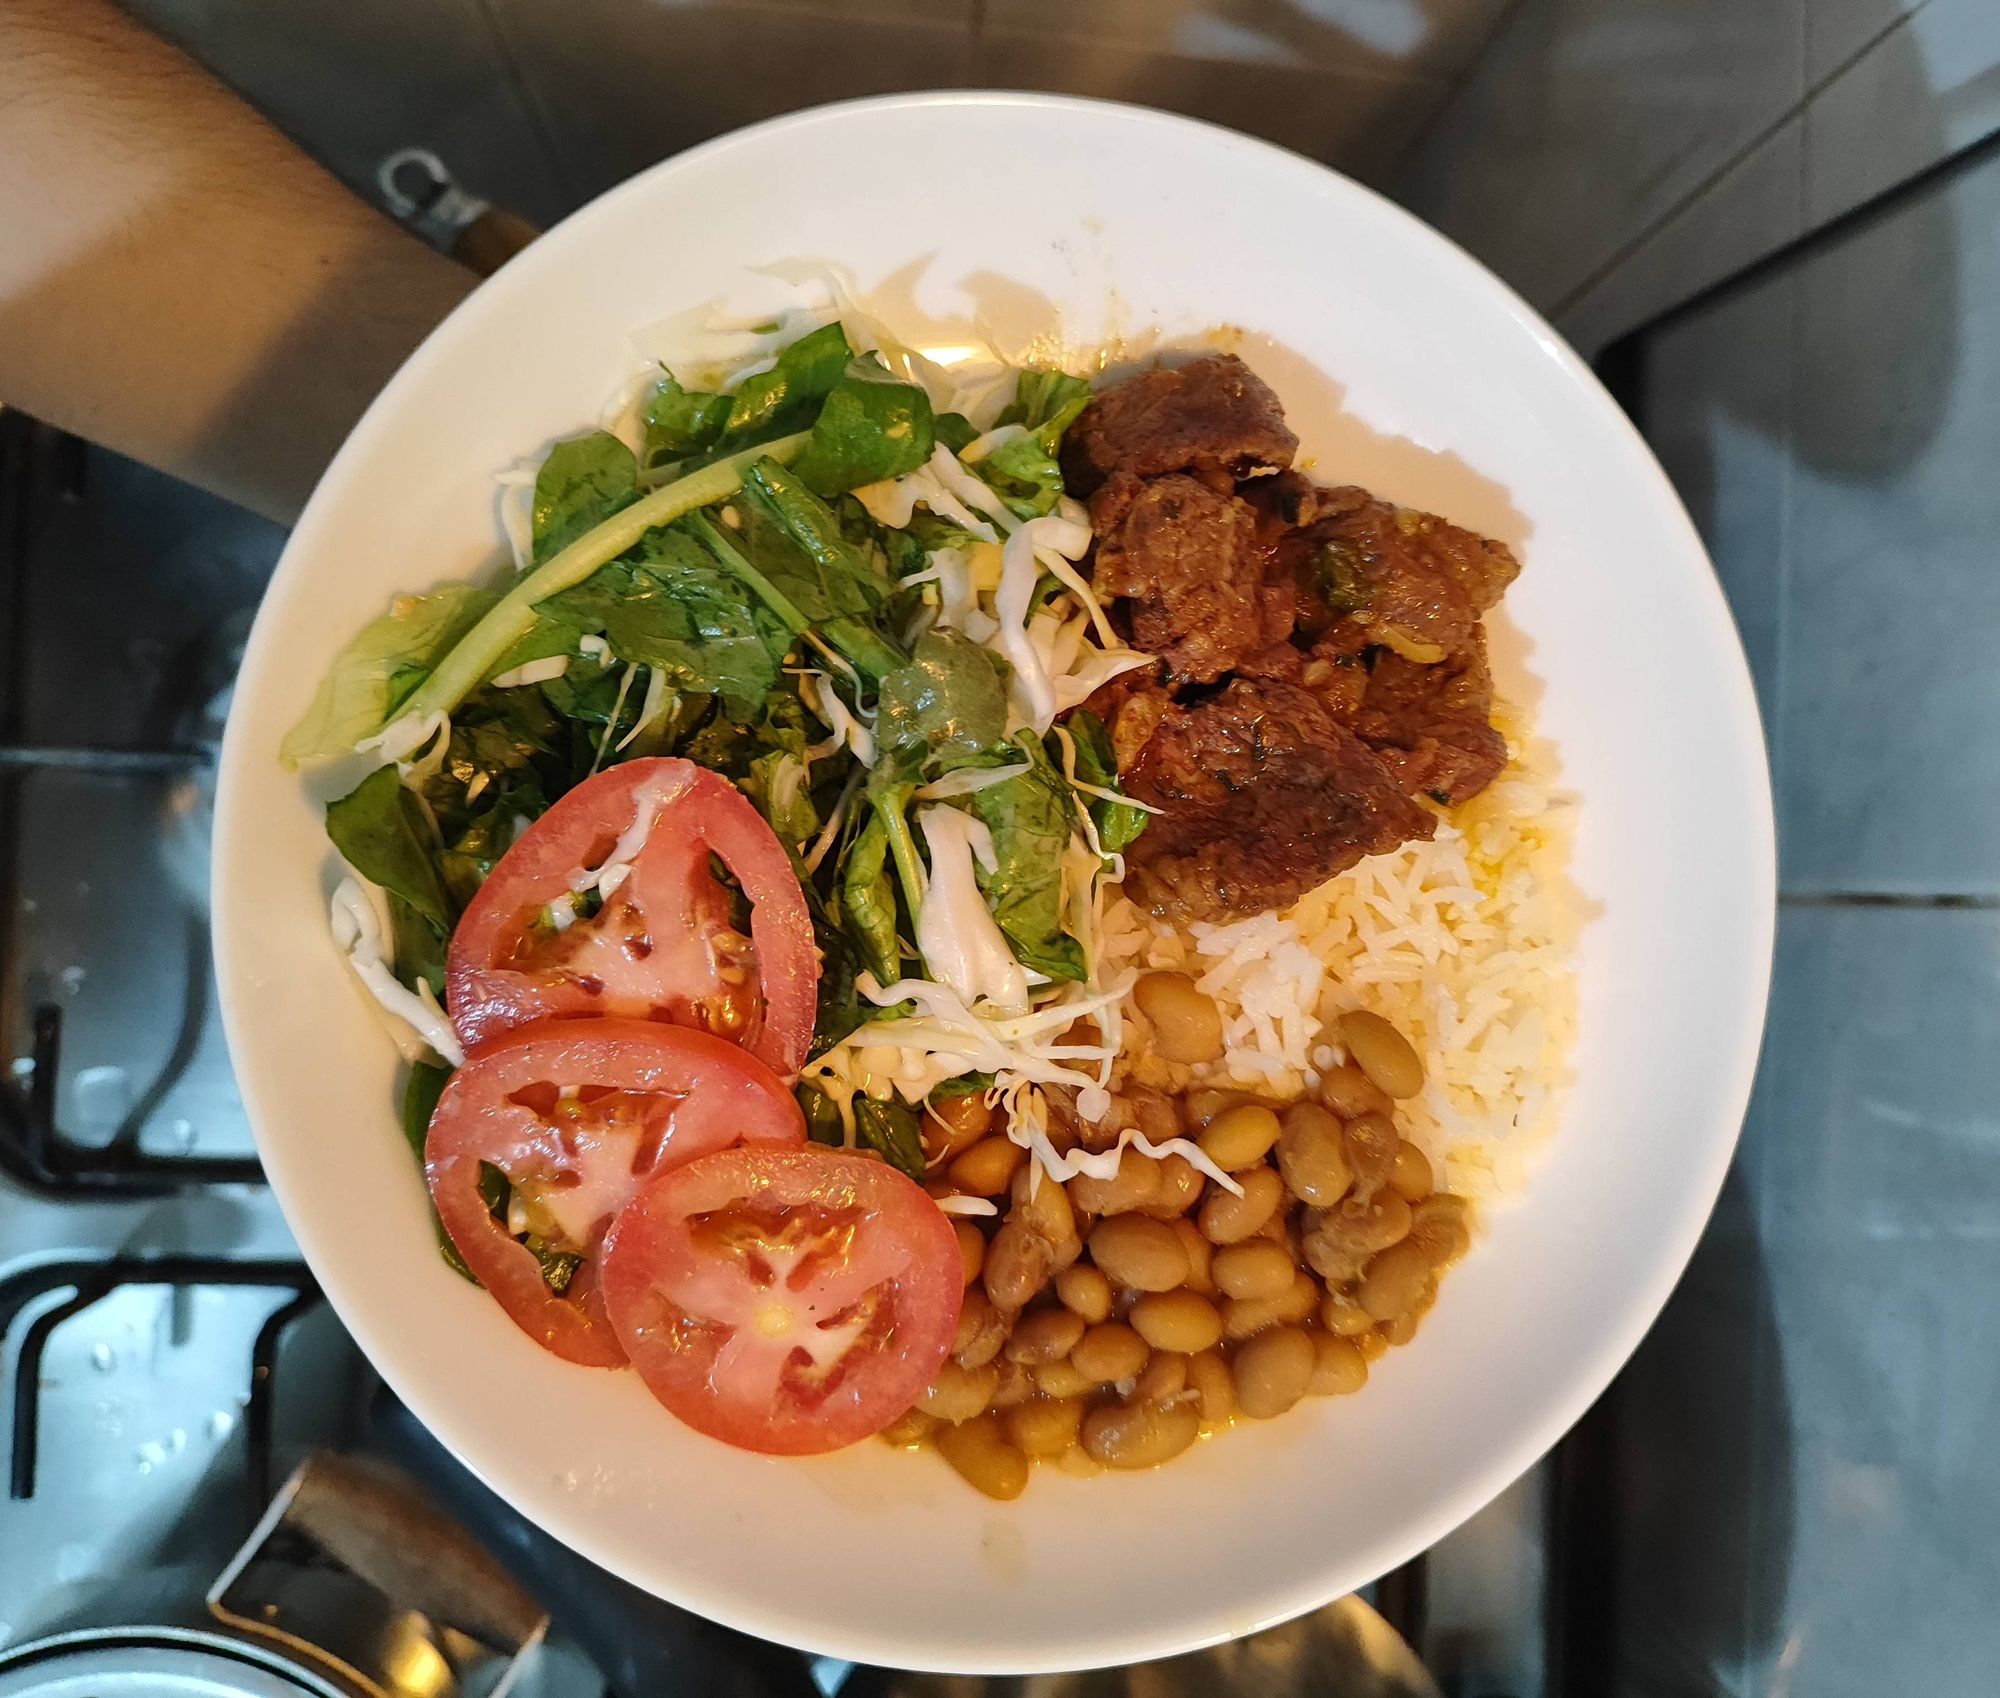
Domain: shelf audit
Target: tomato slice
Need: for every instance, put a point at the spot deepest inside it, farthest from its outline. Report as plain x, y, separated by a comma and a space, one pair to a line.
662, 946
788, 1301
579, 1115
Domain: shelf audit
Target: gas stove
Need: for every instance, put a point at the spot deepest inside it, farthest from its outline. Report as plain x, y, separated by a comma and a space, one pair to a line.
166, 1362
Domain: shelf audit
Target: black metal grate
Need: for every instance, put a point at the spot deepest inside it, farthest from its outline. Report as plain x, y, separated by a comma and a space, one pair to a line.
85, 1282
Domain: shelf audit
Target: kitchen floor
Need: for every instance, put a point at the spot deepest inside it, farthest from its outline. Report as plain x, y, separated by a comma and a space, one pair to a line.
1805, 1486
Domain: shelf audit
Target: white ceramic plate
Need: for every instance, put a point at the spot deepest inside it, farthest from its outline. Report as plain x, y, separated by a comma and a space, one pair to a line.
1405, 367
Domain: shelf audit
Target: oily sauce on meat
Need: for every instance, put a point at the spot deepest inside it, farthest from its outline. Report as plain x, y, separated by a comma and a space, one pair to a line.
1322, 661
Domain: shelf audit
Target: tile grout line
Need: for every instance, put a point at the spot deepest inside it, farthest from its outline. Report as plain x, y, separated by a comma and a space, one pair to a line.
1906, 901
1798, 109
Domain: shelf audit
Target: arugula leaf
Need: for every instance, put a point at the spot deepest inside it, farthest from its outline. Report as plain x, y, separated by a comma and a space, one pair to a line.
840, 1009
822, 1115
965, 1085
380, 829
785, 397
1117, 823
1047, 401
948, 700
583, 482
675, 609
371, 676
796, 545
890, 1127
795, 540
868, 901
871, 428
954, 430
679, 422
421, 1091
1030, 819
777, 783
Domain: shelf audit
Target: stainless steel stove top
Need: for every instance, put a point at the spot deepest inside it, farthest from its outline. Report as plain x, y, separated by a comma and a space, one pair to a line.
164, 1357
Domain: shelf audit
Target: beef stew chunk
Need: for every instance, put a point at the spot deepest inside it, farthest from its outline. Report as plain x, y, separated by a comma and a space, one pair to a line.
1182, 556
1213, 416
1322, 662
1263, 796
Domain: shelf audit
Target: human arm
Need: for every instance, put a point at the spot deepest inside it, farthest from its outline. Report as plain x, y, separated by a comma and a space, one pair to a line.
177, 280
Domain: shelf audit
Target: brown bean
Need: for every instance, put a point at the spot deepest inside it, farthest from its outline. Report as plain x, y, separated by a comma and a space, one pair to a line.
1371, 1343
971, 1248
1240, 1137
954, 1124
1259, 1268
909, 1429
1179, 1321
1144, 1254
1043, 1207
1311, 1154
1133, 1186
1442, 1240
1442, 1208
1084, 1291
1063, 1379
1242, 1316
1016, 1385
1187, 1026
988, 1168
1404, 1327
1044, 1336
1018, 1264
958, 1393
1338, 1366
1370, 1143
1228, 1219
1272, 1371
1180, 1183
1200, 1254
1140, 1435
982, 1329
1382, 1052
1047, 1426
1394, 1280
1345, 1237
1154, 1112
1411, 1177
1164, 1376
1200, 1107
1342, 1316
1109, 1351
985, 1457
1348, 1091
1210, 1378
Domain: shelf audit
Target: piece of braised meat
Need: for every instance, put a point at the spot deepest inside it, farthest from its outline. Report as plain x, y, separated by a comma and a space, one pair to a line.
1182, 559
1213, 416
1429, 723
1263, 796
1416, 582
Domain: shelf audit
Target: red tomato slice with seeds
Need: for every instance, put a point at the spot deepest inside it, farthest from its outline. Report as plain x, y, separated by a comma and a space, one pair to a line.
578, 1116
642, 839
787, 1301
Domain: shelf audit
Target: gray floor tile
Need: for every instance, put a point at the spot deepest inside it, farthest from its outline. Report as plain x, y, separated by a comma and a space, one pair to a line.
1840, 30
354, 80
623, 84
1585, 123
1924, 89
1718, 413
1889, 736
1872, 1149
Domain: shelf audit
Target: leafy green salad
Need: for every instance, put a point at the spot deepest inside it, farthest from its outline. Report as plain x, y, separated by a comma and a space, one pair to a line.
832, 579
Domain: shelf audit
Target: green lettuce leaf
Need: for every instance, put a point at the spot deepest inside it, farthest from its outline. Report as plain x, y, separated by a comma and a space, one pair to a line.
1030, 818
890, 1127
948, 700
372, 675
1117, 823
786, 397
584, 480
679, 422
870, 428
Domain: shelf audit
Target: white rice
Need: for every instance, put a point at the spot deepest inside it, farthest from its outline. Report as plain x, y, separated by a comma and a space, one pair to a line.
1465, 943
